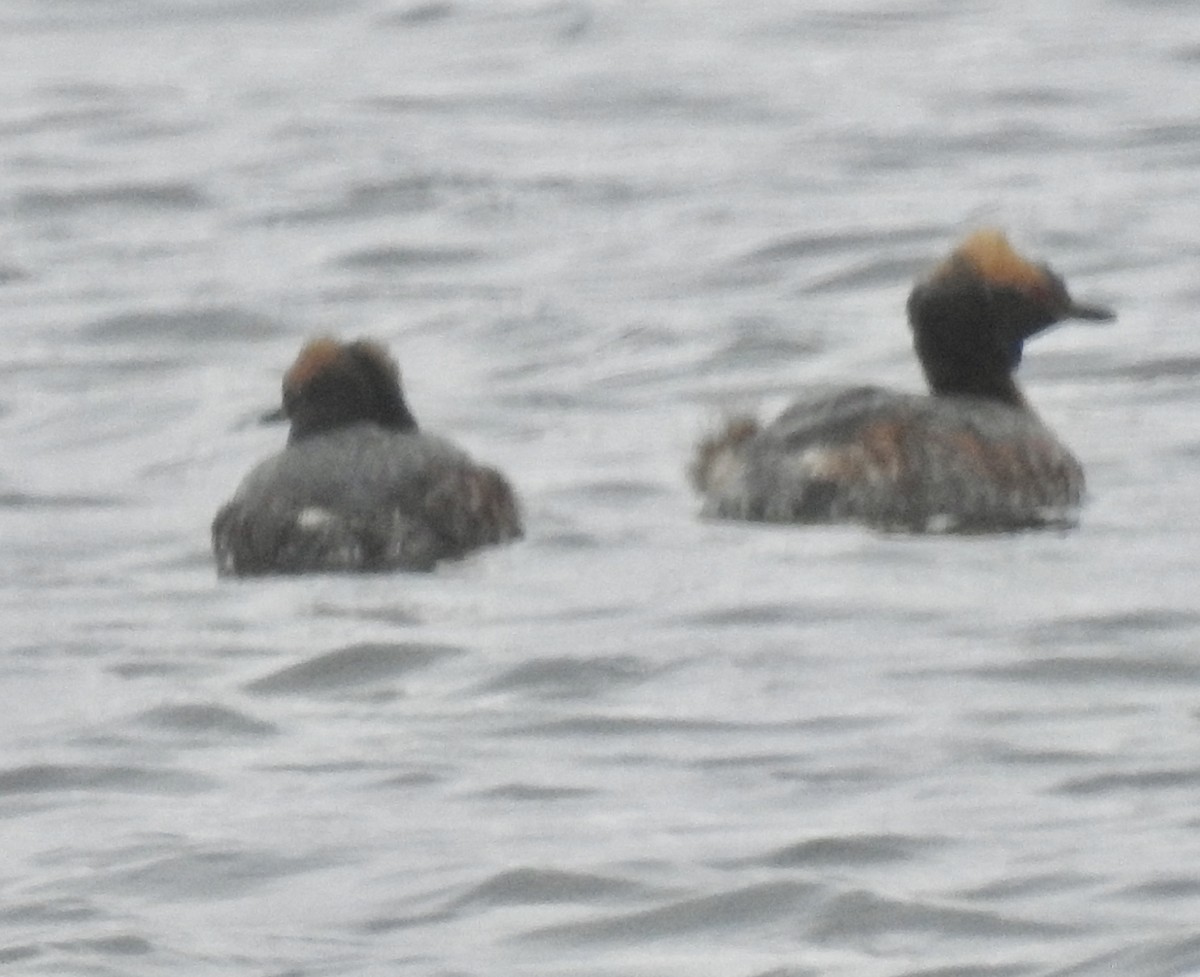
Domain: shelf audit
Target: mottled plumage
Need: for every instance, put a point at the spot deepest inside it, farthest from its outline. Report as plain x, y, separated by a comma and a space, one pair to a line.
972, 457
358, 486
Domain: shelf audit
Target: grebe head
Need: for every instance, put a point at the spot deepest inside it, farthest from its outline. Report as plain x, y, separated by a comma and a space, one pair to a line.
970, 318
332, 384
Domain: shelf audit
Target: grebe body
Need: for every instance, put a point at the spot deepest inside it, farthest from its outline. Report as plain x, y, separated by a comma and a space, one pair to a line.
358, 486
971, 456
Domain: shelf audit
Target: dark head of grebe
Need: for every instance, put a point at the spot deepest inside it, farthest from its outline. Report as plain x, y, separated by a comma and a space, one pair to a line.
971, 457
358, 486
971, 317
332, 384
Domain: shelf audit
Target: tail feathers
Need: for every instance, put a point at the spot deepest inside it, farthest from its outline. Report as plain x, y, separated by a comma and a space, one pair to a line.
713, 451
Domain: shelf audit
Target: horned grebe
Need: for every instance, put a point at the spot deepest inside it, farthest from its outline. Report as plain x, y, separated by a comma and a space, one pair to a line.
358, 486
973, 457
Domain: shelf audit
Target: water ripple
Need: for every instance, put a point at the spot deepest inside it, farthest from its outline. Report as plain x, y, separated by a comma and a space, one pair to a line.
1172, 957
850, 850
572, 678
769, 904
865, 916
398, 256
204, 718
153, 196
57, 778
351, 668
537, 885
185, 325
1140, 781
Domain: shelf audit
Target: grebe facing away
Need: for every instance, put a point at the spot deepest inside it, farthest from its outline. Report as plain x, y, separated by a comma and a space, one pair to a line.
358, 486
973, 457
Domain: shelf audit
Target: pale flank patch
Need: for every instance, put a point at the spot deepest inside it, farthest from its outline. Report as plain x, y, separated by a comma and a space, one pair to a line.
314, 517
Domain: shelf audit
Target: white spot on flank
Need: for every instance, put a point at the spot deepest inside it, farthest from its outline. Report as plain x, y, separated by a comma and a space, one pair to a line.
819, 462
314, 517
941, 522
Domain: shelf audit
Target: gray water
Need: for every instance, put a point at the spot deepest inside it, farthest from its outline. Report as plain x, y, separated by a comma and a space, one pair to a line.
636, 743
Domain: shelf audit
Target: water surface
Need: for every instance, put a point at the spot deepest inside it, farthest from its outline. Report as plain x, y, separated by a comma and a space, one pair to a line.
636, 743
